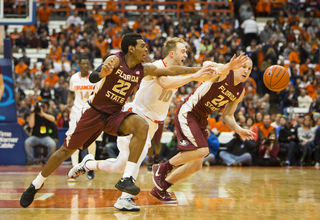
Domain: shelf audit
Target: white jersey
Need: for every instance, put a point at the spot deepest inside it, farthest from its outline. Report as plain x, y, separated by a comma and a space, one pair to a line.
151, 99
82, 88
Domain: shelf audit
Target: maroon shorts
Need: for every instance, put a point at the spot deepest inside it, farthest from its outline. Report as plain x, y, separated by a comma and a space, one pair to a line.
90, 126
191, 131
157, 136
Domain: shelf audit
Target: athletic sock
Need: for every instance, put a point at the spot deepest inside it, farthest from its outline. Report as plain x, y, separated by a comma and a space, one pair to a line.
38, 182
125, 195
166, 185
167, 167
129, 169
92, 165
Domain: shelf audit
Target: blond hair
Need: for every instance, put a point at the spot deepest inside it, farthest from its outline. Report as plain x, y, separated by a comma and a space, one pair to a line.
171, 45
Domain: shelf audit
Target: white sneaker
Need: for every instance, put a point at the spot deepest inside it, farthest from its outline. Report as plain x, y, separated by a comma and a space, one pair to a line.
126, 204
317, 165
80, 168
72, 180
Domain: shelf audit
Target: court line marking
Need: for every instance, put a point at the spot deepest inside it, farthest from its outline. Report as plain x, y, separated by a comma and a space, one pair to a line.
181, 198
44, 196
18, 173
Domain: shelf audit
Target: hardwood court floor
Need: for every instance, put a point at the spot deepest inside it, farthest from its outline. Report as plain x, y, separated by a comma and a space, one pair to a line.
212, 193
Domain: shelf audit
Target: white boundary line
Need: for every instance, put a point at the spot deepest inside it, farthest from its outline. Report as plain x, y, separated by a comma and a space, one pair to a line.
181, 198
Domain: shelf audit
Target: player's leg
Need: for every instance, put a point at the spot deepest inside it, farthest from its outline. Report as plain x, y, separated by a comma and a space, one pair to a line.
87, 130
52, 164
126, 202
138, 127
177, 175
192, 142
92, 151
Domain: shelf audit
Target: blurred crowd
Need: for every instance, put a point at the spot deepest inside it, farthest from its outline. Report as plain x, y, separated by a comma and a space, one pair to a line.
284, 40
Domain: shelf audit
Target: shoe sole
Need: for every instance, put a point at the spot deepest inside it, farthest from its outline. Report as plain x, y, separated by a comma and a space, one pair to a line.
162, 200
133, 192
154, 181
125, 209
85, 159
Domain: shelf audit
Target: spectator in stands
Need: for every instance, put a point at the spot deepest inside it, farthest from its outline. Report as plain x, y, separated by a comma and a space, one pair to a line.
304, 101
20, 67
24, 57
266, 128
289, 141
62, 67
238, 151
45, 92
44, 13
23, 108
24, 81
43, 28
52, 78
42, 125
265, 34
250, 29
276, 122
268, 151
306, 136
63, 121
258, 119
74, 19
44, 42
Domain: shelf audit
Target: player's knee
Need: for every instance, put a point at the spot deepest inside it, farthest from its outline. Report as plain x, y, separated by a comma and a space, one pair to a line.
202, 152
197, 167
141, 128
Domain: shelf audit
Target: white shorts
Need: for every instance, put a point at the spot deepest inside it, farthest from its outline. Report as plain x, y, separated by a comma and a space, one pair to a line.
75, 117
123, 142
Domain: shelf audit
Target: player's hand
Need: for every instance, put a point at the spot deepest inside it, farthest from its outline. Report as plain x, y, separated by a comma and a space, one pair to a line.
238, 62
107, 69
246, 134
206, 73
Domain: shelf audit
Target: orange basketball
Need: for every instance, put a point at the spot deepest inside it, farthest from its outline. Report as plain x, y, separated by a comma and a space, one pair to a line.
276, 78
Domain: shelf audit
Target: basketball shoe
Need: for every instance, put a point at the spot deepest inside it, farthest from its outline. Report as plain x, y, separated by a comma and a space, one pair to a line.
160, 172
28, 196
163, 196
90, 175
127, 204
127, 185
80, 168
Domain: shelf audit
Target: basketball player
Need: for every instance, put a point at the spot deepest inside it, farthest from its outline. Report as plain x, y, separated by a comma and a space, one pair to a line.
79, 92
153, 107
117, 77
1, 85
191, 122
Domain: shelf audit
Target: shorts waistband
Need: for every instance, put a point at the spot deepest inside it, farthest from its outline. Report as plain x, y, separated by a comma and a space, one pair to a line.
154, 121
94, 108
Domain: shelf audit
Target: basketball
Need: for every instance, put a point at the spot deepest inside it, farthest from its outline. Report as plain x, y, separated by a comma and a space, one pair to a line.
276, 78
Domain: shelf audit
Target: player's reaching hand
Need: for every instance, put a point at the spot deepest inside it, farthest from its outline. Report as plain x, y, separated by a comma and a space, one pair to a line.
107, 68
206, 73
238, 62
246, 134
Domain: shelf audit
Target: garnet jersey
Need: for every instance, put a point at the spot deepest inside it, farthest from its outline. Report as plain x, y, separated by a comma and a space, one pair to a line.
210, 96
151, 99
82, 88
111, 92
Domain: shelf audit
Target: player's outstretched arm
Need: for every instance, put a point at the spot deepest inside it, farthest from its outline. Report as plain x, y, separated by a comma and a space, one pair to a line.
150, 69
104, 69
70, 99
228, 118
204, 74
235, 63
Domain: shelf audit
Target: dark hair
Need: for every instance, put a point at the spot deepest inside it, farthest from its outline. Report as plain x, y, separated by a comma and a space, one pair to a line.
83, 57
129, 39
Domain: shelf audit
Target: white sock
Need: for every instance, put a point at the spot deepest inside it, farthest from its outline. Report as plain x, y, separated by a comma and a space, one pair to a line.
125, 195
38, 181
129, 169
92, 165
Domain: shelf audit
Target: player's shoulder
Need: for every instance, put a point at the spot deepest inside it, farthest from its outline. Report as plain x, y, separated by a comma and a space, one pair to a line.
74, 77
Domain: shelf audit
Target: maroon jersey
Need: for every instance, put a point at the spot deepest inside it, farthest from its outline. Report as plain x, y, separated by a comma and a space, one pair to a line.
111, 93
210, 96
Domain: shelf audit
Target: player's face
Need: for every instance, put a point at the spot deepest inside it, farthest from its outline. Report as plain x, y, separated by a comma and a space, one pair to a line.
243, 72
180, 54
141, 50
84, 65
